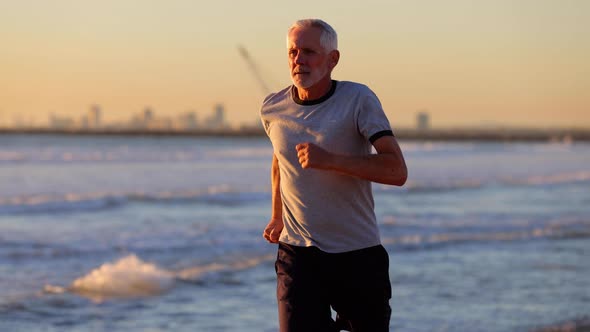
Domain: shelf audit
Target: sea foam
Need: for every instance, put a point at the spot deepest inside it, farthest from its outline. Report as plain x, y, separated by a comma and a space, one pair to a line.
131, 277
127, 277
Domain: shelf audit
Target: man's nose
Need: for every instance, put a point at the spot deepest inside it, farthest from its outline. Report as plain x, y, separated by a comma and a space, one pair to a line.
299, 58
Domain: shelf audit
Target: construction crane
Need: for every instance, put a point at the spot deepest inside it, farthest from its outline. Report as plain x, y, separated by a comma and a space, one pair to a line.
254, 69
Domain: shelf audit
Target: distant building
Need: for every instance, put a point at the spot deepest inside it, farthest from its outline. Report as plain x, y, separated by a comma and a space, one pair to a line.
143, 120
148, 116
147, 120
422, 120
160, 124
19, 121
217, 120
187, 121
94, 116
91, 120
61, 122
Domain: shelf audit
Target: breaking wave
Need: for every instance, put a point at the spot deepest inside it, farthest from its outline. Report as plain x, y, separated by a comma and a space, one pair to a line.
131, 277
128, 277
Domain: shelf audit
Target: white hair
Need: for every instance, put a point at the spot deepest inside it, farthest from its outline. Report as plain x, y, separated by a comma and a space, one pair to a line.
328, 37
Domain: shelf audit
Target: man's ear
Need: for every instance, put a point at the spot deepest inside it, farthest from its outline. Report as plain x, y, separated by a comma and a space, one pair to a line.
334, 57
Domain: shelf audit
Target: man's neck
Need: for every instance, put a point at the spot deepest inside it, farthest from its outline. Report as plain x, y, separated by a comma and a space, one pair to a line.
316, 91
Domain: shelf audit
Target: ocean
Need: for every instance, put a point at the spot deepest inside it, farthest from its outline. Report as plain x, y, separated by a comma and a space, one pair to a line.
106, 233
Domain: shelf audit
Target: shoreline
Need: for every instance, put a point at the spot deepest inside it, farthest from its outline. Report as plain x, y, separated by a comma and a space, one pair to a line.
451, 134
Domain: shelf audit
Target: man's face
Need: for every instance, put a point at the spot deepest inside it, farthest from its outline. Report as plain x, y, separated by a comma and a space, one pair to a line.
308, 61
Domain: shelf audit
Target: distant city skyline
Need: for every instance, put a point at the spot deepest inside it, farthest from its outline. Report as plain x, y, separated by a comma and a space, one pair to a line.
148, 118
96, 116
502, 62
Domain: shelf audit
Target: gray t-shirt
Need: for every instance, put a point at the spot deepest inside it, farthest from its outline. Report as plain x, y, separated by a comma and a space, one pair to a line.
326, 209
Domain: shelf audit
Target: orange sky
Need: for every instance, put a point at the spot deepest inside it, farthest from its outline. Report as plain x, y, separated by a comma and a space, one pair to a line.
502, 62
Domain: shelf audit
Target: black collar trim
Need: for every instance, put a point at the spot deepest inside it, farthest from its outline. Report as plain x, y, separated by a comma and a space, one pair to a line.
320, 100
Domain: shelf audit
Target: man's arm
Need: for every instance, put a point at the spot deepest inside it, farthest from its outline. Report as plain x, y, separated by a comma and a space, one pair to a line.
387, 166
275, 226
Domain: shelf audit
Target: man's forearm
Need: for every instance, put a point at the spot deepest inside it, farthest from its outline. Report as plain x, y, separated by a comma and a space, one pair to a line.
384, 168
277, 203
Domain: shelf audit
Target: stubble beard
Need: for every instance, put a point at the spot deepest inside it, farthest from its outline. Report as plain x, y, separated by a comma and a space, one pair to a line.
309, 80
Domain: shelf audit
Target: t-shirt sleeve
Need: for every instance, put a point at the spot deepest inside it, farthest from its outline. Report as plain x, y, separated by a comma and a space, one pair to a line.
371, 121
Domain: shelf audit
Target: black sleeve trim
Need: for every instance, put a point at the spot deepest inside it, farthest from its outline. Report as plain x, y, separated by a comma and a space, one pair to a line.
380, 134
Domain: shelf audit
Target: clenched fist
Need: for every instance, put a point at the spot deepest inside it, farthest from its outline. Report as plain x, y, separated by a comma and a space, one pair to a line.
272, 232
312, 156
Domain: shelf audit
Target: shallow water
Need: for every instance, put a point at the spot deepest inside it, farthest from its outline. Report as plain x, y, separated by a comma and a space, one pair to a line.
163, 234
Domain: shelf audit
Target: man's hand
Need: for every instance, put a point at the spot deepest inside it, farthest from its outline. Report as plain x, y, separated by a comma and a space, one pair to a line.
272, 232
312, 156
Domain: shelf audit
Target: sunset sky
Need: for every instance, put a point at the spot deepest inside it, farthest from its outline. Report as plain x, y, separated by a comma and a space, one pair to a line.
467, 62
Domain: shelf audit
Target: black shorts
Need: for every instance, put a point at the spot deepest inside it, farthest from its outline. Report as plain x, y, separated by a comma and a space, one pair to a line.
355, 284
